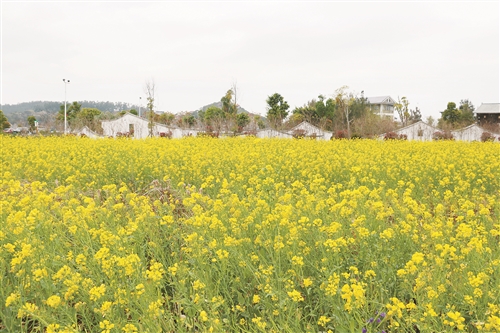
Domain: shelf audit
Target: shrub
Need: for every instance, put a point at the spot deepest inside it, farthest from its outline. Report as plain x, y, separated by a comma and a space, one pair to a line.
487, 136
123, 135
167, 135
250, 133
342, 134
443, 135
395, 136
356, 136
313, 136
208, 134
390, 136
299, 134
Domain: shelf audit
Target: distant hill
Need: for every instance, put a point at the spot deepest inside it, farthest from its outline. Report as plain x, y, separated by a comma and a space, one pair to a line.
44, 111
53, 107
36, 106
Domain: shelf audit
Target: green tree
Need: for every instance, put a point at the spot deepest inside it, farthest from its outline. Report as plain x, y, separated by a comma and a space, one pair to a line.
166, 118
451, 115
261, 124
467, 112
229, 108
4, 122
214, 118
189, 120
430, 120
242, 119
72, 110
88, 114
360, 107
133, 111
32, 123
318, 112
87, 117
416, 115
325, 111
277, 109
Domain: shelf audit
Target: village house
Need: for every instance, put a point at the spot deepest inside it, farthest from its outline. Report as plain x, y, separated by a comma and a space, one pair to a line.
138, 127
418, 131
488, 113
469, 133
272, 133
306, 129
421, 131
382, 105
86, 132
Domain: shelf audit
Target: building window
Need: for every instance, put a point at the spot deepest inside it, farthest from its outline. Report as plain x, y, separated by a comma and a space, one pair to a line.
420, 132
131, 128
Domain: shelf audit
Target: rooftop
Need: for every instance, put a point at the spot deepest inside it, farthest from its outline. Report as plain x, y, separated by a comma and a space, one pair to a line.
380, 100
488, 108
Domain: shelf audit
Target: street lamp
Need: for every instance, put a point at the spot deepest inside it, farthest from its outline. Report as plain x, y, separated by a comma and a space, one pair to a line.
65, 120
140, 102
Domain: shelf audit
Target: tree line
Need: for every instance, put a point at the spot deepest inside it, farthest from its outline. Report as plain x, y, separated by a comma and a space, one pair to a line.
346, 113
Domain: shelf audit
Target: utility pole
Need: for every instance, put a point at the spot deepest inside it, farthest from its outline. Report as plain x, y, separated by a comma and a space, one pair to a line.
65, 110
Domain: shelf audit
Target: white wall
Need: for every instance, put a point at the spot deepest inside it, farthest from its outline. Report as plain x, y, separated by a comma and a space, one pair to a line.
121, 125
141, 128
412, 131
312, 130
270, 133
470, 133
87, 132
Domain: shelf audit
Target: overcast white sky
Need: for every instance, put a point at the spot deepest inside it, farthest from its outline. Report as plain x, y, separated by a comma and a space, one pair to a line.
430, 52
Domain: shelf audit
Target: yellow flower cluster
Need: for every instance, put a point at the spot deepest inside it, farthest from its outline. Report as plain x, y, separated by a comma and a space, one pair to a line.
249, 235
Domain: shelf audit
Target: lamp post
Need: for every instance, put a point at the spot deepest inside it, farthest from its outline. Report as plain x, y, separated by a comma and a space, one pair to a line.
65, 120
140, 102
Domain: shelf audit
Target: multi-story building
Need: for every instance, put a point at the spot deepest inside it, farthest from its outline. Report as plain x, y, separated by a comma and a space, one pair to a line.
382, 105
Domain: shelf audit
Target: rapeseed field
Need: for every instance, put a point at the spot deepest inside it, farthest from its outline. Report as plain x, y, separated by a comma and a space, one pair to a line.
249, 235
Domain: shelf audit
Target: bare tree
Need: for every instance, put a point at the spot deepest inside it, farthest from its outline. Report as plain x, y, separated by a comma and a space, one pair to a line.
149, 90
344, 100
236, 95
401, 108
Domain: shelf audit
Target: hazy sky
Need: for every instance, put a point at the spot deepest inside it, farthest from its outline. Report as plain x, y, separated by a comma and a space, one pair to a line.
431, 52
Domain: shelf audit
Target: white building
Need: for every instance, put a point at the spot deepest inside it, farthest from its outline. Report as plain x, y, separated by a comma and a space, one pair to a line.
138, 127
488, 113
382, 105
469, 133
423, 132
272, 133
189, 132
419, 131
85, 131
309, 130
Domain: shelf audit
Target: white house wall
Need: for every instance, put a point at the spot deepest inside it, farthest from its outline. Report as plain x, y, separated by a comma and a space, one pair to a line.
189, 132
412, 132
310, 129
89, 133
269, 133
327, 135
121, 125
471, 133
141, 128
